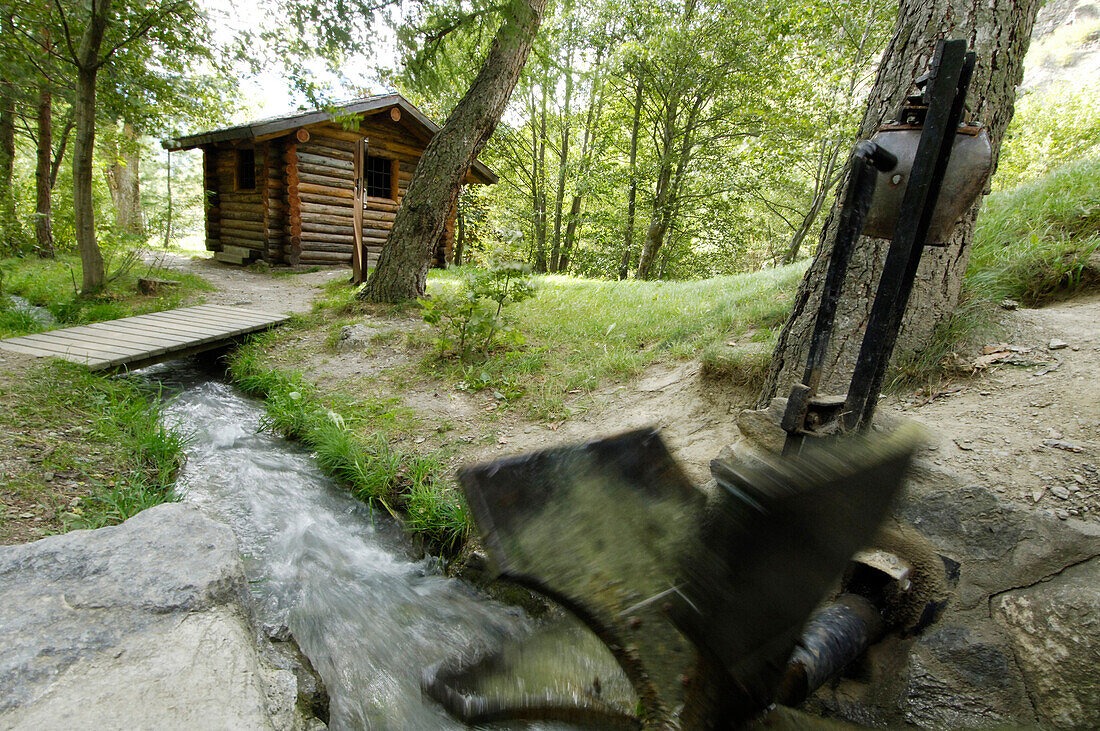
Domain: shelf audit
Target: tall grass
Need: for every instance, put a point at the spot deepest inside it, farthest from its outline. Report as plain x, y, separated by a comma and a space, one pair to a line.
1036, 243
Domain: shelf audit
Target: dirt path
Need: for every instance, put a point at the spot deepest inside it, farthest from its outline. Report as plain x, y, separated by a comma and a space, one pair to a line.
1030, 429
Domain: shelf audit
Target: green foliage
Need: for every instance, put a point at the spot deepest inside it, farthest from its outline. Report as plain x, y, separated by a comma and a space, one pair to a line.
1049, 128
350, 441
1034, 243
470, 318
51, 283
121, 419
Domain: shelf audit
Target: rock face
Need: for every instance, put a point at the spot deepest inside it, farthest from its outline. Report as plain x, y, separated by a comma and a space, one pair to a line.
140, 625
1055, 630
1019, 641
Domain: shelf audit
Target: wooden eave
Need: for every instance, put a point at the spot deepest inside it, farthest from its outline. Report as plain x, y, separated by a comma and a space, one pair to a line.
278, 126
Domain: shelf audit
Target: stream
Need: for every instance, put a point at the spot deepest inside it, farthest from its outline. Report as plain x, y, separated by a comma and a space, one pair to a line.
368, 613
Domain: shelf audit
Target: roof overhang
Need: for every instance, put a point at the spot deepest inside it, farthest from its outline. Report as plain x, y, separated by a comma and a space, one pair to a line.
276, 126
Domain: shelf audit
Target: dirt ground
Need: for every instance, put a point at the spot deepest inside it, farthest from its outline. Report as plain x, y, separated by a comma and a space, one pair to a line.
1027, 425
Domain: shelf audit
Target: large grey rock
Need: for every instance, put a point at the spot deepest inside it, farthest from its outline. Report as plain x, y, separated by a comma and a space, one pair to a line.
1054, 626
140, 625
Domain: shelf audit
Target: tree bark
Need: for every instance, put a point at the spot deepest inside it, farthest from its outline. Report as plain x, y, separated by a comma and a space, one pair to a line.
632, 192
999, 31
43, 185
563, 164
87, 66
8, 221
402, 269
123, 180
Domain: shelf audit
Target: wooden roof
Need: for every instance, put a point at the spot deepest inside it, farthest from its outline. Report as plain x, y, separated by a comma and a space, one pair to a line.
275, 126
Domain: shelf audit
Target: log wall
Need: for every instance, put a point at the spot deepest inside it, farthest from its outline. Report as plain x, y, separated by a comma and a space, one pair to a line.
211, 200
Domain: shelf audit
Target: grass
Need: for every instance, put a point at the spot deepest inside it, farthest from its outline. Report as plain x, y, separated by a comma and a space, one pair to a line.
50, 283
352, 439
84, 450
1036, 244
582, 333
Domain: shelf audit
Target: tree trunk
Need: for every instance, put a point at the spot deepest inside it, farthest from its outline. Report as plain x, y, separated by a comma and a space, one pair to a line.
123, 178
43, 188
563, 164
8, 222
402, 268
999, 32
595, 109
94, 273
87, 65
541, 220
823, 183
460, 236
632, 192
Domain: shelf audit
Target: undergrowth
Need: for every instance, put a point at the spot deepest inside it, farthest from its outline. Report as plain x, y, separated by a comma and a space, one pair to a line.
105, 431
349, 437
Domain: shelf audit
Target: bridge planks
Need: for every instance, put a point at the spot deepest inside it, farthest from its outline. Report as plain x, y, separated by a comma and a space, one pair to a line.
134, 342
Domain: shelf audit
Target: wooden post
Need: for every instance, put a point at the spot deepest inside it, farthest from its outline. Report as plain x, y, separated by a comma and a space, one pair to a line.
294, 206
358, 160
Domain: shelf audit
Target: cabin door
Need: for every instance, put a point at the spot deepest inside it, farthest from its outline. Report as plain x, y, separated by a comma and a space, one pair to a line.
358, 159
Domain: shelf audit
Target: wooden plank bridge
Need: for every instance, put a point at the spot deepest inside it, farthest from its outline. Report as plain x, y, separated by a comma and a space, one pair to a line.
135, 342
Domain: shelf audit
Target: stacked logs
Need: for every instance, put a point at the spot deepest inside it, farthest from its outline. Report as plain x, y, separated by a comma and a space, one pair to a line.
324, 184
274, 202
211, 197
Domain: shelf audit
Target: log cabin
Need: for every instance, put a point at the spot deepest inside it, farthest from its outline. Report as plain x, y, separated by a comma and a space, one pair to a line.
317, 187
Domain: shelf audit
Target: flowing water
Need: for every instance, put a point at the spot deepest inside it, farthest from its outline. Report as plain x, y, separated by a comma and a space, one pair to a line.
369, 614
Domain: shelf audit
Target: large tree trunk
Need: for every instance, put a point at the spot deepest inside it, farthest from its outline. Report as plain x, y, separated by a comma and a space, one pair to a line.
87, 65
43, 184
999, 31
632, 192
403, 266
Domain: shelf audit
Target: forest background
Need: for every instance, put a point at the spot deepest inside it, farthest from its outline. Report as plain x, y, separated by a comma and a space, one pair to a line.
671, 140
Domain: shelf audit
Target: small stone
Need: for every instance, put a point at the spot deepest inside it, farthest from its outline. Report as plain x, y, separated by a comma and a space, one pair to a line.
1036, 495
1057, 344
1062, 514
48, 477
1066, 446
1078, 479
1054, 433
1059, 492
1009, 304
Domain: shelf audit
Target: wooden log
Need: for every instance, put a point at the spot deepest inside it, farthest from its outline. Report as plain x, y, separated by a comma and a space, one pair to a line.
311, 226
324, 219
309, 244
292, 251
302, 135
248, 224
308, 236
326, 151
325, 190
324, 257
247, 243
395, 114
243, 216
322, 177
331, 210
327, 162
323, 137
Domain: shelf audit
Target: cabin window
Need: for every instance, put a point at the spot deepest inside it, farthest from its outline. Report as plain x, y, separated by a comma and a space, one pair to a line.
378, 177
246, 169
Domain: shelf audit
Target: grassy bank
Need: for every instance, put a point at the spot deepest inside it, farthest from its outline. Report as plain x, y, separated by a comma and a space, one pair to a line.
352, 438
1035, 244
52, 284
581, 334
79, 450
